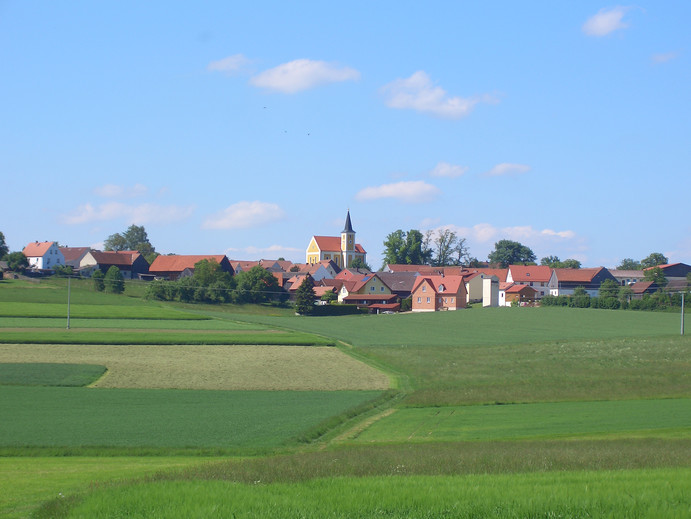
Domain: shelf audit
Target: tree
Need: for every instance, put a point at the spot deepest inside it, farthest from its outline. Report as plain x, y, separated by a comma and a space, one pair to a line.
113, 281
258, 285
4, 250
449, 249
17, 262
507, 252
653, 260
359, 263
63, 271
629, 264
134, 238
555, 263
99, 285
411, 248
305, 297
656, 275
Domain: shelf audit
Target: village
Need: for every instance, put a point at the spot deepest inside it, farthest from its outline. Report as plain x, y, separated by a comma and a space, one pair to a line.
335, 266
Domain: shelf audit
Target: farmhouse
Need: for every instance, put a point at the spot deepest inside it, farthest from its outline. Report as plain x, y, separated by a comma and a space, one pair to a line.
341, 250
131, 263
539, 277
172, 266
44, 255
673, 271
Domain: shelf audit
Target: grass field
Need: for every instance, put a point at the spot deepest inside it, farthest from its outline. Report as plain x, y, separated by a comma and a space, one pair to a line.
647, 493
222, 367
649, 418
604, 409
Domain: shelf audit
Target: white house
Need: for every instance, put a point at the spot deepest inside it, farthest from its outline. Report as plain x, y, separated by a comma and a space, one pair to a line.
44, 255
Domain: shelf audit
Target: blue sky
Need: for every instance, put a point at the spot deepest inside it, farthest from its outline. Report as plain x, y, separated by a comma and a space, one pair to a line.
246, 129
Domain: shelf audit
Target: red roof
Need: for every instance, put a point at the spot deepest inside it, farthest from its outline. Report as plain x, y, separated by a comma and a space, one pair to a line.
37, 249
74, 253
585, 275
333, 244
177, 263
124, 258
527, 273
500, 273
518, 289
451, 284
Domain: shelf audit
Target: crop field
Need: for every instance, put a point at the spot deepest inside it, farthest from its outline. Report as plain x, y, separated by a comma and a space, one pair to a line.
652, 418
275, 368
594, 418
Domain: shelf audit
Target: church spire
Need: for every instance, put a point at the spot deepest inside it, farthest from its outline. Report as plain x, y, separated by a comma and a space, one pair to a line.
348, 226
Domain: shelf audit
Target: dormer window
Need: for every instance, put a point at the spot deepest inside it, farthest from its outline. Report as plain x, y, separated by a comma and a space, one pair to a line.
441, 288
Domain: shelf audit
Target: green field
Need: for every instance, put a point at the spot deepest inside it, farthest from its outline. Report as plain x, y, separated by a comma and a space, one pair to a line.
649, 493
598, 423
650, 418
49, 374
147, 418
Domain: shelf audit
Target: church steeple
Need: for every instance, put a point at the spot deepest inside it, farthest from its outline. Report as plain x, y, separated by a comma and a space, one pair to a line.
348, 226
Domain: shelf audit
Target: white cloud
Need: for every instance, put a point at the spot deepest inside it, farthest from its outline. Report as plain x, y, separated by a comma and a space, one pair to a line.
418, 93
606, 21
133, 214
485, 233
115, 191
416, 191
244, 215
444, 169
506, 168
664, 57
303, 74
228, 65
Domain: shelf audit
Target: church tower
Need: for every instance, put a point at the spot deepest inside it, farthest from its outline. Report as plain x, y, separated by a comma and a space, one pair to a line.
347, 242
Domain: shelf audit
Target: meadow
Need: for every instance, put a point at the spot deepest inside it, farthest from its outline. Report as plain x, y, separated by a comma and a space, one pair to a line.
598, 424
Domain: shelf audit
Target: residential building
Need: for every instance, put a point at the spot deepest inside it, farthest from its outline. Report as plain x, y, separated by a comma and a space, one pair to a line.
131, 263
44, 255
74, 255
627, 277
342, 251
539, 277
435, 293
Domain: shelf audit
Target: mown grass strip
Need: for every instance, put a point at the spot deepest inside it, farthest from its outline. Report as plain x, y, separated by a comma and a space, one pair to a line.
160, 337
75, 417
49, 374
642, 493
147, 324
87, 311
543, 420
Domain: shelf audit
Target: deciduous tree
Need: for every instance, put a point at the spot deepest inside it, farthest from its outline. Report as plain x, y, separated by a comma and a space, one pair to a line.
17, 262
656, 275
653, 260
4, 250
629, 264
134, 238
508, 252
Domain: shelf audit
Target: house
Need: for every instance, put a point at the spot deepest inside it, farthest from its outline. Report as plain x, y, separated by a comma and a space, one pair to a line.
325, 269
475, 287
434, 293
515, 293
364, 284
588, 278
74, 255
627, 277
400, 283
539, 277
341, 250
131, 263
244, 266
375, 303
44, 255
171, 267
490, 291
499, 273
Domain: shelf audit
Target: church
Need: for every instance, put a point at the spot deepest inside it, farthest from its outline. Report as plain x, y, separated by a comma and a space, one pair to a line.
342, 251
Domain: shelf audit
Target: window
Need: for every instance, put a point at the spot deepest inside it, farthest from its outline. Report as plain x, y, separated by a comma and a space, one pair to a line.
419, 299
428, 300
452, 299
371, 289
444, 300
424, 288
382, 289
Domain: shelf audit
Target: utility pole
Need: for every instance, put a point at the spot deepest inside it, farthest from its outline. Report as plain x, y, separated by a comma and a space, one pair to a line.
69, 292
682, 313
